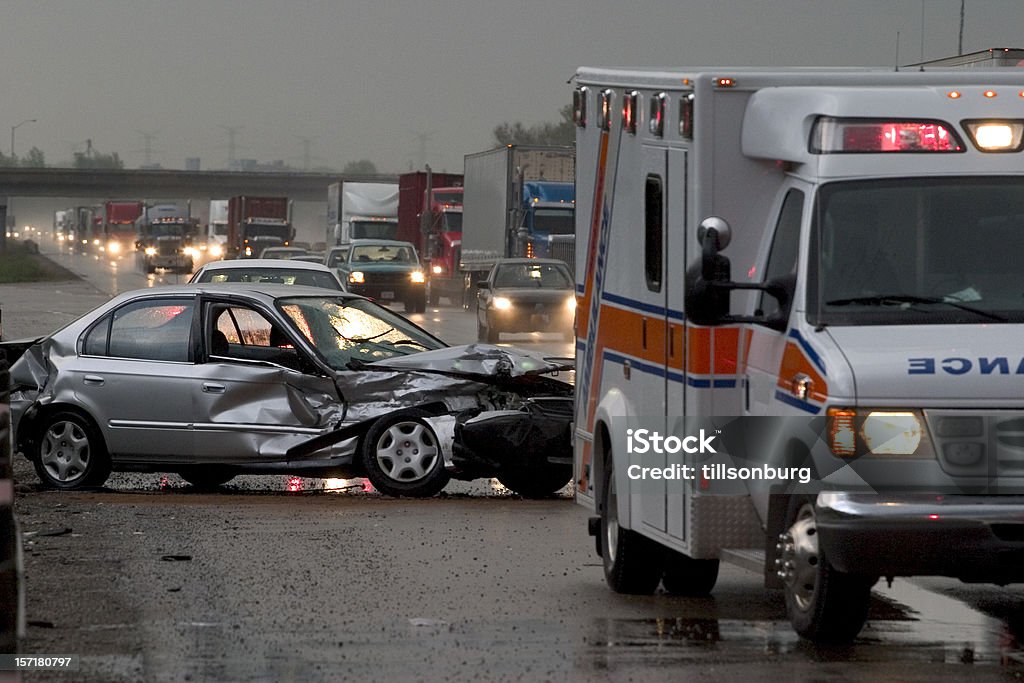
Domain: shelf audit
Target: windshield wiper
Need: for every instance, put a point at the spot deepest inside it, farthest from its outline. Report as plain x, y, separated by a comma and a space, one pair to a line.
897, 299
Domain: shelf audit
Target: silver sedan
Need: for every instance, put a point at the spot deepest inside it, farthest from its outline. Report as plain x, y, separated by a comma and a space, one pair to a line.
213, 380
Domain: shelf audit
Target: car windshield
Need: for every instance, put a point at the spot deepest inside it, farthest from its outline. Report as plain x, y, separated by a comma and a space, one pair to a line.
917, 251
354, 329
383, 253
526, 275
309, 278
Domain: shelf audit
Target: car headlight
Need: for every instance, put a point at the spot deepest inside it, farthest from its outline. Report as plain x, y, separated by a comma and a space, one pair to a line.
854, 432
356, 277
248, 251
501, 303
190, 252
114, 247
216, 250
570, 303
150, 251
417, 277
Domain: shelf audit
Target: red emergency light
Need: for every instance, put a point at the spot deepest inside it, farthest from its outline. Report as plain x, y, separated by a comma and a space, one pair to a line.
869, 136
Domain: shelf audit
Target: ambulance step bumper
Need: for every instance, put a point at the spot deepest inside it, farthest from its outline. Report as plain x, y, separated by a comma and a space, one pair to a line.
745, 558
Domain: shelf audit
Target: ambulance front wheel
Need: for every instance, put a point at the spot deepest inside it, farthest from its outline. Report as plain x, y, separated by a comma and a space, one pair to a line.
823, 604
632, 563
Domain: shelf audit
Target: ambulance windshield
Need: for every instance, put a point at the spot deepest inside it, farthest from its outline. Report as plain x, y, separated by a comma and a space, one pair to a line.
918, 251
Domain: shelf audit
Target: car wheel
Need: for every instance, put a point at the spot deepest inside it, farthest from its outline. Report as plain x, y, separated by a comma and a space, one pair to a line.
493, 334
402, 456
823, 604
433, 298
420, 304
687, 576
632, 563
208, 477
69, 452
538, 482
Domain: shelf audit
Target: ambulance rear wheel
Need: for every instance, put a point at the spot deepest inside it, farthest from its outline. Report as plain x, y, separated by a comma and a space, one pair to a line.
632, 563
823, 604
687, 576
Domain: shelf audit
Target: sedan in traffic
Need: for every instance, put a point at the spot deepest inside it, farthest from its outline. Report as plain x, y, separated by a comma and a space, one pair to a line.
526, 295
211, 381
270, 271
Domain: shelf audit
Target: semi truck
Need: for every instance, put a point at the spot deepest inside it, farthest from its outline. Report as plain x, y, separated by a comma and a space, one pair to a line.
518, 201
217, 228
255, 223
165, 235
358, 210
771, 269
430, 216
117, 233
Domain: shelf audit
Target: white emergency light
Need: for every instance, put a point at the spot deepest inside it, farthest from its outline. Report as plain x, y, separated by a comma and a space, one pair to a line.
996, 136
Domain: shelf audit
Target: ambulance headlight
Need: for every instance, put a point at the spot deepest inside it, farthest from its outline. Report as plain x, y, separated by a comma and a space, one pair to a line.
854, 432
996, 136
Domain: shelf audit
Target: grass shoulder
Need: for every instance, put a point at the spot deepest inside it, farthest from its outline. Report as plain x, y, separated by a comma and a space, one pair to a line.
22, 262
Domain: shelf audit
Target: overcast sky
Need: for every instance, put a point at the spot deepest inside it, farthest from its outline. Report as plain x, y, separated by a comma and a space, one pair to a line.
375, 79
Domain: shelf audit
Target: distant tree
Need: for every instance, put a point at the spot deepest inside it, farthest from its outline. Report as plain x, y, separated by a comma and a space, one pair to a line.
561, 133
7, 162
97, 160
361, 167
34, 159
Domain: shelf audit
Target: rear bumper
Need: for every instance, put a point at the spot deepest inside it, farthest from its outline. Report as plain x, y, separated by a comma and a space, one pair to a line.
978, 539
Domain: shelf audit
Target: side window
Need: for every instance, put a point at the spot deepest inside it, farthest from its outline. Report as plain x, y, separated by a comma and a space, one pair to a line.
95, 343
154, 329
244, 326
785, 247
653, 211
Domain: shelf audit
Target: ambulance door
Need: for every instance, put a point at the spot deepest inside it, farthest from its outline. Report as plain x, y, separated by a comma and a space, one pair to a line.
653, 295
676, 231
770, 376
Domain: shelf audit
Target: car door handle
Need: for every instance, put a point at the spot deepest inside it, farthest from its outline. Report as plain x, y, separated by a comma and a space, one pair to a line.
211, 388
93, 380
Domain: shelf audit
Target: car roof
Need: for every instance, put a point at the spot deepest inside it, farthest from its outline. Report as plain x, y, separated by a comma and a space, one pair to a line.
252, 263
374, 242
531, 261
256, 290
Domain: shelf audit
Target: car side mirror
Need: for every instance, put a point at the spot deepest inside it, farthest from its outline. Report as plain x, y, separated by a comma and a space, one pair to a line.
483, 284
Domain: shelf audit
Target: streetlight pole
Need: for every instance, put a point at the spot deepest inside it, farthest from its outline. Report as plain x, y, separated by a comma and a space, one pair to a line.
14, 128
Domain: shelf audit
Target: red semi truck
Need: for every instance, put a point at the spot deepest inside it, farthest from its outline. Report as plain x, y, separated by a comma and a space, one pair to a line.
430, 216
255, 223
118, 227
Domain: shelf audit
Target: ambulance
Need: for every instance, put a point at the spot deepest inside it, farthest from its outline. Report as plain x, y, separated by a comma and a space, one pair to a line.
839, 249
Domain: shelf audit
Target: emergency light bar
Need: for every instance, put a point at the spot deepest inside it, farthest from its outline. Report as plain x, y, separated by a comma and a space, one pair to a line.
867, 136
996, 136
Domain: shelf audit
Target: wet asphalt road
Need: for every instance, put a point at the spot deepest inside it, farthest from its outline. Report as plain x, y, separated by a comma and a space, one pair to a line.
284, 579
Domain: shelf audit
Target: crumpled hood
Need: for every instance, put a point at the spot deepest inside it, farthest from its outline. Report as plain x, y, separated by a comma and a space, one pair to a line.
935, 364
477, 361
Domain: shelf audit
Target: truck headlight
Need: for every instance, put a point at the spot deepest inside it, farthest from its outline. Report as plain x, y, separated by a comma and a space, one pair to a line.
437, 270
417, 277
854, 432
356, 277
150, 251
114, 247
216, 250
501, 303
190, 252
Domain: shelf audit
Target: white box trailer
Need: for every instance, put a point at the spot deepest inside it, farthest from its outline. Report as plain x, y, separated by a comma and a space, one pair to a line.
357, 210
857, 289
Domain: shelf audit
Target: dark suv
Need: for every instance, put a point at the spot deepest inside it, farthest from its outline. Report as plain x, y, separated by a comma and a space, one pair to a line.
385, 270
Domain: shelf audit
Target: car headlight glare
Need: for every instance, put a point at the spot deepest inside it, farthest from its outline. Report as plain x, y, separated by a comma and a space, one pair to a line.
216, 250
150, 251
356, 277
417, 277
501, 303
570, 303
437, 270
114, 247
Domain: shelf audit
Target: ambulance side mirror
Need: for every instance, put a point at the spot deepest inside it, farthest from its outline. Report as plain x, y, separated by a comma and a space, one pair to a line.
707, 299
714, 235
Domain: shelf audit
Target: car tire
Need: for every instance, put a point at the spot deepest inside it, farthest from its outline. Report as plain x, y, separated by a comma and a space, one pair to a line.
823, 604
420, 304
536, 483
687, 576
633, 564
402, 456
493, 334
207, 477
433, 298
68, 452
